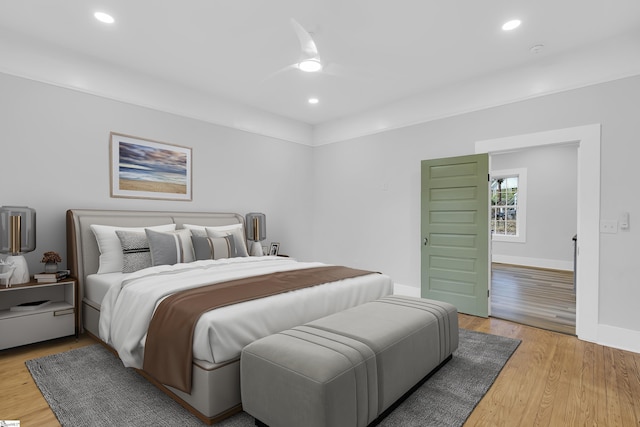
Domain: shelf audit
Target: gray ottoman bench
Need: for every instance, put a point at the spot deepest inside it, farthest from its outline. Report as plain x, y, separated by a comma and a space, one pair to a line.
346, 369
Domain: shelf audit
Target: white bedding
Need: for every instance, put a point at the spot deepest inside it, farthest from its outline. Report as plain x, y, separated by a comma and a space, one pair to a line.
97, 285
221, 334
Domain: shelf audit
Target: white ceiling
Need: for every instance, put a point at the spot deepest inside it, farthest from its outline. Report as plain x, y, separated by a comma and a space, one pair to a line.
376, 52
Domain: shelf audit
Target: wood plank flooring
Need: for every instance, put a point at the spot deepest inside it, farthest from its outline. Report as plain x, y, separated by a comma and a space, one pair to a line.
552, 379
533, 296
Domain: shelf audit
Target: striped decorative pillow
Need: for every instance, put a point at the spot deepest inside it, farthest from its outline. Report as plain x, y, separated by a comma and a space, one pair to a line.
170, 247
136, 254
213, 247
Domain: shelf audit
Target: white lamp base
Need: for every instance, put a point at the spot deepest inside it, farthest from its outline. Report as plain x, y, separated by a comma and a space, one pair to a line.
21, 272
256, 249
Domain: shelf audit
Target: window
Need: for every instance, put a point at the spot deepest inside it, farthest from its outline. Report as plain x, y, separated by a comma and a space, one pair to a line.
508, 205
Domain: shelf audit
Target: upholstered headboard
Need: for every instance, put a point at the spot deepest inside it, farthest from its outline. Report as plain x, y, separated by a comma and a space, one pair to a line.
82, 248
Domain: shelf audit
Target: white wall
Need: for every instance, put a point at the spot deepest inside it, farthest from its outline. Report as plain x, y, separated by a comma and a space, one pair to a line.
355, 202
551, 217
55, 156
368, 189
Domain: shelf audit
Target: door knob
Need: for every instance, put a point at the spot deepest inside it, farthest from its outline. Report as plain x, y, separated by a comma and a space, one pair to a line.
425, 241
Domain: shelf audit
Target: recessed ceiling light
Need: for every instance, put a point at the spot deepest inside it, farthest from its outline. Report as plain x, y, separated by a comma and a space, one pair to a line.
511, 25
313, 100
104, 17
310, 65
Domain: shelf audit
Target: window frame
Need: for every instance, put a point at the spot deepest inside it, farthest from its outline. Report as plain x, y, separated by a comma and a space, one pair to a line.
521, 173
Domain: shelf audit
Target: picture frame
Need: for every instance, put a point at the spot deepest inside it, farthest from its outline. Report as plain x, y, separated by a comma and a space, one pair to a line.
146, 169
274, 248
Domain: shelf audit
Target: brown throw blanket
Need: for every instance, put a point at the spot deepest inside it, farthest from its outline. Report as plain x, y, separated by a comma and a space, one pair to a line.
168, 351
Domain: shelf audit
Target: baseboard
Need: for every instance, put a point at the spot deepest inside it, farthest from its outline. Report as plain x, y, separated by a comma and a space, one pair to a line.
409, 291
623, 339
551, 264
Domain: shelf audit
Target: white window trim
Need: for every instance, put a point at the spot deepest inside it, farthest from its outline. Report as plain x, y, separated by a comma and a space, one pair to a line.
521, 173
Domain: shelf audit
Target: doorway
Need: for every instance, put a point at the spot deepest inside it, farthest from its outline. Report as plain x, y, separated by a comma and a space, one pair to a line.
533, 220
587, 251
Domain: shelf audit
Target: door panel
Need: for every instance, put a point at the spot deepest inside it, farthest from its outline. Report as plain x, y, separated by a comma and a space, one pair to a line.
455, 231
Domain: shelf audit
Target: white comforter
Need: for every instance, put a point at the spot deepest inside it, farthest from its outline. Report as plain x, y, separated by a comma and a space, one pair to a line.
221, 334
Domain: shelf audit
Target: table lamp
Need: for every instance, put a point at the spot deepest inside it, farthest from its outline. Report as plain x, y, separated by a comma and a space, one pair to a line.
256, 232
17, 237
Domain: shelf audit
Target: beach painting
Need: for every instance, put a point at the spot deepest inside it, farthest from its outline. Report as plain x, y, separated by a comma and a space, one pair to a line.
142, 168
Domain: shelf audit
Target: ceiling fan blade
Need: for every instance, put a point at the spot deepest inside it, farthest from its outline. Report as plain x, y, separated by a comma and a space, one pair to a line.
307, 44
280, 71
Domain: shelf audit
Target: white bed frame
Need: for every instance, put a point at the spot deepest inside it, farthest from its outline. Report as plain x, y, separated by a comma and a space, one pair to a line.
215, 387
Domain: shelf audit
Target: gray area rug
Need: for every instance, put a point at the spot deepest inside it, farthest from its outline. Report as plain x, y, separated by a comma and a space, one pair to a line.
90, 387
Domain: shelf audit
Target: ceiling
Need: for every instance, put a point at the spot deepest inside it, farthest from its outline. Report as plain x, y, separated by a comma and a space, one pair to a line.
376, 52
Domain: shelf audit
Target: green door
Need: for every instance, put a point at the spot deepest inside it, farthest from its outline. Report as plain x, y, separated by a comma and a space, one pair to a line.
455, 232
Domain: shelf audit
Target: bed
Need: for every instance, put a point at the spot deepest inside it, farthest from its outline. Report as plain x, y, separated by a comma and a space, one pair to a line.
107, 295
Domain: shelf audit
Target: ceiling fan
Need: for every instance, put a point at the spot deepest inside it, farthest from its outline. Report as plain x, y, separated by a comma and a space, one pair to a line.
310, 61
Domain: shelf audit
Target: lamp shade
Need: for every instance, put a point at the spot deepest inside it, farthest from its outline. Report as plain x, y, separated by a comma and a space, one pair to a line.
256, 226
17, 230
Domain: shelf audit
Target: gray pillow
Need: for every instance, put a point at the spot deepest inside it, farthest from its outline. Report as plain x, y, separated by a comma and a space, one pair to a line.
170, 247
135, 250
213, 247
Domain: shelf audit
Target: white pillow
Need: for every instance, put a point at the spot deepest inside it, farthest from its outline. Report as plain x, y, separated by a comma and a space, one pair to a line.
109, 244
235, 230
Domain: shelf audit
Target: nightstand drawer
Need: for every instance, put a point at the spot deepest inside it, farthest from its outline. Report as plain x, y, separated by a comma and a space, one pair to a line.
34, 327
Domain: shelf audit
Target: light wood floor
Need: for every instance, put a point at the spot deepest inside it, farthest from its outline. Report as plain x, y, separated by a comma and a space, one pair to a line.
552, 379
534, 296
20, 398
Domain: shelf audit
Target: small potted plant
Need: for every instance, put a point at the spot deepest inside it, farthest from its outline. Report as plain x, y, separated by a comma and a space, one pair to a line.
51, 260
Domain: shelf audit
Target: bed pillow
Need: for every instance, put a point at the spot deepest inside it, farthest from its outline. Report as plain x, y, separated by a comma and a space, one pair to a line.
235, 230
196, 230
110, 247
213, 247
170, 247
136, 254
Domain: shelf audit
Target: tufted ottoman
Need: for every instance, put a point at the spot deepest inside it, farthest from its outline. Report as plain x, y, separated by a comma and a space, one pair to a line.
346, 369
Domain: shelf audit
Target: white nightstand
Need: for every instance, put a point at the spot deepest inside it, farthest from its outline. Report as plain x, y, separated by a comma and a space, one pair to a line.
54, 320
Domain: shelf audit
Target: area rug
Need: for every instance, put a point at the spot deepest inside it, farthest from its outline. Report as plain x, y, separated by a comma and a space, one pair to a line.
89, 386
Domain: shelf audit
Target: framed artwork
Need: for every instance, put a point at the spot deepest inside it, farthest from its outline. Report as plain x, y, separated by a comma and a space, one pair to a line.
274, 249
146, 169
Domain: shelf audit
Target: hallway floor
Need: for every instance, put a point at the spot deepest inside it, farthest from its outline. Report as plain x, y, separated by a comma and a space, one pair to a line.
533, 296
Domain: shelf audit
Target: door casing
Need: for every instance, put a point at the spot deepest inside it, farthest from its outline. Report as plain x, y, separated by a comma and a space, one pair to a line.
588, 224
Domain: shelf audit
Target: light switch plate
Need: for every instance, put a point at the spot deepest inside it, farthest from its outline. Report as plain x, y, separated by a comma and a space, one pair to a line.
610, 227
624, 220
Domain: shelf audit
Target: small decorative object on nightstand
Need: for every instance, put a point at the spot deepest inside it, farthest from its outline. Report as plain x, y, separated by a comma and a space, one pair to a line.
256, 232
51, 260
6, 271
274, 249
17, 237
